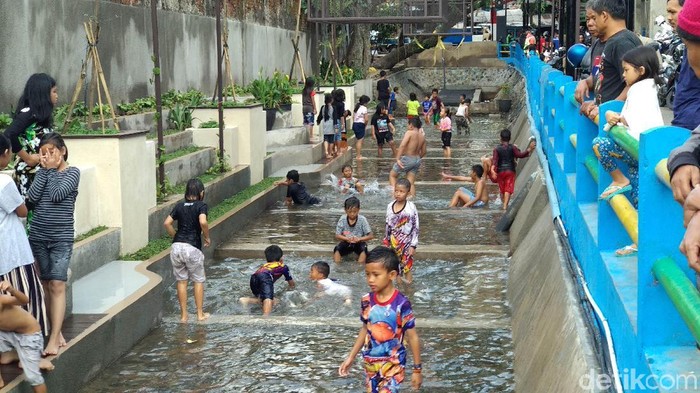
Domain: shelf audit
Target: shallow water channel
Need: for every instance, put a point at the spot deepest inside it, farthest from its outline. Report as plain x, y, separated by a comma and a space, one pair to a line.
459, 299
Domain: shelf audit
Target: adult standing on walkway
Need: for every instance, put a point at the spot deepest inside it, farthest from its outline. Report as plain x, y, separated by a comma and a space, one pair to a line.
609, 18
686, 104
383, 89
684, 161
591, 60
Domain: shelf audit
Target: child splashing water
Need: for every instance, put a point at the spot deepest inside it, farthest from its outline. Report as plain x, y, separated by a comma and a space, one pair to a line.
640, 113
51, 235
348, 183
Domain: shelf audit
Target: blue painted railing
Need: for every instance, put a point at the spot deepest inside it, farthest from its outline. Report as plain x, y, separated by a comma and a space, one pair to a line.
648, 333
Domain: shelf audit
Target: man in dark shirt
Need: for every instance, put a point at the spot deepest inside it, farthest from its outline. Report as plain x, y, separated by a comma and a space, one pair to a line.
383, 89
609, 18
686, 104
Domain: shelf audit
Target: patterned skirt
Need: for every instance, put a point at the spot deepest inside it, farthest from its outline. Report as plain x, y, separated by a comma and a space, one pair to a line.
26, 280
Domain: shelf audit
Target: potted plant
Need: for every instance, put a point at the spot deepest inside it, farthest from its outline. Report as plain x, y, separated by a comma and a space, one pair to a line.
274, 93
503, 98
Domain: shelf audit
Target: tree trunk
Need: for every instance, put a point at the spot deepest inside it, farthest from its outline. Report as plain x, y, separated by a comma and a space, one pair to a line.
399, 54
358, 52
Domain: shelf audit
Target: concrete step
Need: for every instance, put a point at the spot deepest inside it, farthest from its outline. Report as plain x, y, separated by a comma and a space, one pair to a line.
104, 288
623, 271
282, 137
589, 211
181, 169
316, 250
302, 157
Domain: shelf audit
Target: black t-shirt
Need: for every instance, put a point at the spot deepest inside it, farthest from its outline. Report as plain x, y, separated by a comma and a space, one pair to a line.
16, 132
187, 216
381, 123
610, 83
383, 89
298, 193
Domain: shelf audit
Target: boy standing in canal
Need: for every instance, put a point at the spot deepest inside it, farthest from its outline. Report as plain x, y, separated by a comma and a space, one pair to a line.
387, 317
503, 165
402, 228
408, 157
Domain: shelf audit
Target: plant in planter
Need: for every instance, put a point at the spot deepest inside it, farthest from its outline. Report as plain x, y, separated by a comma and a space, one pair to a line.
274, 93
503, 98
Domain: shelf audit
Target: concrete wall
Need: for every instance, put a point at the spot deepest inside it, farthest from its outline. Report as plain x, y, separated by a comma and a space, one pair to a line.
48, 36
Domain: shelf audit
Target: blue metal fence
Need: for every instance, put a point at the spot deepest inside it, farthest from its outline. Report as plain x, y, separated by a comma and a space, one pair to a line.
644, 321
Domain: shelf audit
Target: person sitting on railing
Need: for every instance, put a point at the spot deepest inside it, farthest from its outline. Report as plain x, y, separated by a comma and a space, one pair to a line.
684, 161
609, 18
640, 112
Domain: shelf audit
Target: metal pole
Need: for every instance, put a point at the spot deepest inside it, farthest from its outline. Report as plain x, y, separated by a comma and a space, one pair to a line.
159, 103
220, 88
333, 50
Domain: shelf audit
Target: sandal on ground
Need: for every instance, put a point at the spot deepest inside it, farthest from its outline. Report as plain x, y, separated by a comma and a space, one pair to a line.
626, 251
613, 190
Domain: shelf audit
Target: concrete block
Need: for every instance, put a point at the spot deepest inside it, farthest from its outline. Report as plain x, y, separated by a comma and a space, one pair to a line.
181, 169
284, 137
177, 141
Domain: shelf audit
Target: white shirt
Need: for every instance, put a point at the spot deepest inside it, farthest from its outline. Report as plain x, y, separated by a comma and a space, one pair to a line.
14, 245
331, 287
360, 114
460, 110
641, 110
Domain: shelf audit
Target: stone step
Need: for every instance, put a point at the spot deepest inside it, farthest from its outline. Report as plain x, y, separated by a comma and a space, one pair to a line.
286, 137
181, 169
107, 286
316, 250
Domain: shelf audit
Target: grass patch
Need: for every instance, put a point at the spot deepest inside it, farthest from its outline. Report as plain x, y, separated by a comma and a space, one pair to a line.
157, 246
181, 152
209, 124
91, 232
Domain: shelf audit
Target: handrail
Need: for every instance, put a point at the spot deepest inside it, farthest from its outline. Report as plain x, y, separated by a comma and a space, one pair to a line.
623, 138
681, 291
627, 214
661, 170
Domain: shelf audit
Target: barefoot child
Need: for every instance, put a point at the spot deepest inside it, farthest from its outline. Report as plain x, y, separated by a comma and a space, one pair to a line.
52, 231
353, 231
464, 195
402, 228
462, 117
412, 106
359, 124
383, 130
186, 255
446, 132
426, 105
348, 183
326, 123
319, 273
19, 331
408, 157
308, 107
296, 191
387, 317
503, 165
262, 282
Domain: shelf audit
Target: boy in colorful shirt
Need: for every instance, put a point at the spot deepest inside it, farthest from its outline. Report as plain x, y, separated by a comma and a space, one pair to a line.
387, 317
262, 282
402, 228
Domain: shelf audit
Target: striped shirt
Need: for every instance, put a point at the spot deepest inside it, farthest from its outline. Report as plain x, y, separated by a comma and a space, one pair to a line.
54, 194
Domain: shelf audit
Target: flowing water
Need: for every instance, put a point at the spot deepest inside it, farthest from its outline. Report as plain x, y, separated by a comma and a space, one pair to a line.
459, 298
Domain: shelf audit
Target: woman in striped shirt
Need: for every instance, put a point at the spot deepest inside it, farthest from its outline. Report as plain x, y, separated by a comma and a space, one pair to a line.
53, 191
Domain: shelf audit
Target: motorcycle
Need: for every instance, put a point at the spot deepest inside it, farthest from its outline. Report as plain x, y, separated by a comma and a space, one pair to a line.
557, 59
670, 69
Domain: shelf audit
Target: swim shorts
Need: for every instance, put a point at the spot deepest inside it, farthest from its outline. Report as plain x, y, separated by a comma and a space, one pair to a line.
263, 286
383, 137
446, 139
29, 348
410, 164
188, 262
345, 248
471, 196
359, 130
383, 376
506, 182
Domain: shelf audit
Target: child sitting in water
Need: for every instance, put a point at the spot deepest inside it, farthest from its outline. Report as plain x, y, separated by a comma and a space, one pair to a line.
353, 231
387, 317
348, 183
262, 282
464, 195
19, 331
296, 191
319, 273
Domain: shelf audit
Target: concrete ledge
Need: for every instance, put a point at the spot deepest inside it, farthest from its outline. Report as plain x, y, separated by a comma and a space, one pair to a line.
177, 141
190, 165
286, 137
94, 252
217, 190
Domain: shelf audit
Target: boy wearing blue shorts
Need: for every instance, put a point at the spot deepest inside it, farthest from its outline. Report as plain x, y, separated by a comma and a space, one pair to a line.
463, 195
262, 282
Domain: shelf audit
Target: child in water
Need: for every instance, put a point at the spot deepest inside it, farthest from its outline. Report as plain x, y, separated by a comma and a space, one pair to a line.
387, 317
296, 191
353, 231
319, 273
463, 195
186, 254
402, 228
348, 183
262, 282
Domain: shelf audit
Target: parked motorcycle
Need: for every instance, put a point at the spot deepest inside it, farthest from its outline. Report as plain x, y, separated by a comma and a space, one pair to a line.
670, 69
557, 58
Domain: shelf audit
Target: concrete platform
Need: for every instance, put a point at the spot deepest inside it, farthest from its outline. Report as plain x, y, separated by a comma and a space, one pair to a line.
100, 290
